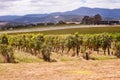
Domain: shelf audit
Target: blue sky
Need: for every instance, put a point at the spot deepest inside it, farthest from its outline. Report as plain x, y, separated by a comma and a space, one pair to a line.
22, 7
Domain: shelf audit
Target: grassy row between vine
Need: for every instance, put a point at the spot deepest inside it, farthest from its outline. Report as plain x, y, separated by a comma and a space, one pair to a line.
22, 57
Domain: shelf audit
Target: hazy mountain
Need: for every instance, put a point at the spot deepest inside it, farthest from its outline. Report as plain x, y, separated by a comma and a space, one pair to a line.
49, 18
74, 15
9, 18
106, 13
36, 15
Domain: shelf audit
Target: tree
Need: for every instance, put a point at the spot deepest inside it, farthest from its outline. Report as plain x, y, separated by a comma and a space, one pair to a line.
61, 22
92, 20
97, 18
85, 20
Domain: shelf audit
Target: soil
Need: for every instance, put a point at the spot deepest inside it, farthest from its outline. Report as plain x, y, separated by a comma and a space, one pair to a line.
70, 70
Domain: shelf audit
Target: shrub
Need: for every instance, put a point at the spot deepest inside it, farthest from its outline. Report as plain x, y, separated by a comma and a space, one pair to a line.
7, 52
117, 49
46, 52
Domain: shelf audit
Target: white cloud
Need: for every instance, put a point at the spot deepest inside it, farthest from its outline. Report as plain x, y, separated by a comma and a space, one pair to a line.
102, 4
21, 7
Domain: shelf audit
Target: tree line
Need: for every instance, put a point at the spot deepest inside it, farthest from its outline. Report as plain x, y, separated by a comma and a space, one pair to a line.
87, 20
92, 19
11, 26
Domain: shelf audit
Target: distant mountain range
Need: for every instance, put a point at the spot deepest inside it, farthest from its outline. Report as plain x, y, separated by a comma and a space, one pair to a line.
74, 15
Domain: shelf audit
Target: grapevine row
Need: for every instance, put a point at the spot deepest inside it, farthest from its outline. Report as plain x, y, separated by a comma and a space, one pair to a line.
39, 44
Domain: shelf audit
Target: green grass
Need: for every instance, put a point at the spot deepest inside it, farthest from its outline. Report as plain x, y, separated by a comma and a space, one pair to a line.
64, 59
1, 59
26, 58
86, 30
91, 30
102, 57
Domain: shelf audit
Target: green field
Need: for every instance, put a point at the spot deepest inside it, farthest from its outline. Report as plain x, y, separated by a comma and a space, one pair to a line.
84, 30
68, 29
90, 30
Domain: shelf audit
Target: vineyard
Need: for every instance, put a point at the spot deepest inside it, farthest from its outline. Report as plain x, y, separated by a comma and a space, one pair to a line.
42, 46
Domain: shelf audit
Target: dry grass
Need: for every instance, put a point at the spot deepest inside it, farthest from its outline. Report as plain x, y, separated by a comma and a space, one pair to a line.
70, 70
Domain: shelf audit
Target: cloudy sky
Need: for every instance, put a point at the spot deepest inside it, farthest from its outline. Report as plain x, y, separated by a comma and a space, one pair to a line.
22, 7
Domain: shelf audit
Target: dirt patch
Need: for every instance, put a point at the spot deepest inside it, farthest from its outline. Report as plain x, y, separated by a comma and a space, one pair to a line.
71, 70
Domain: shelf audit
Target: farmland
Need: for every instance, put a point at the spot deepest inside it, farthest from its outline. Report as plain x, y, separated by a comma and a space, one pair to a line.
68, 29
89, 53
89, 30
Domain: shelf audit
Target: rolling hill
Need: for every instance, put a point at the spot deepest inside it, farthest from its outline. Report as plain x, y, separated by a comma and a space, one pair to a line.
74, 15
